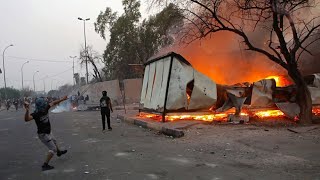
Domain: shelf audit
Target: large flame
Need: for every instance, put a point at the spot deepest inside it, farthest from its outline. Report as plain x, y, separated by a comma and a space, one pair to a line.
223, 58
261, 114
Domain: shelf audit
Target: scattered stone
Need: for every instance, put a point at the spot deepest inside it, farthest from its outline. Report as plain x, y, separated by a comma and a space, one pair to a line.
238, 119
69, 170
292, 130
201, 164
121, 154
86, 172
211, 165
212, 152
266, 130
152, 176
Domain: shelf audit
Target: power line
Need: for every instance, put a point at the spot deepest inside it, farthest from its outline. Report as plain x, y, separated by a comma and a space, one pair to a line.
38, 60
56, 74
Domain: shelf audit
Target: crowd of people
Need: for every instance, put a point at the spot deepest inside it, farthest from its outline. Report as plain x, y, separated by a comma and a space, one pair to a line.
76, 99
19, 102
16, 102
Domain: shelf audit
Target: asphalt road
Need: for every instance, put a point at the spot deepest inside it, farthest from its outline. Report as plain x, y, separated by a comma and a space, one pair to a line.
207, 152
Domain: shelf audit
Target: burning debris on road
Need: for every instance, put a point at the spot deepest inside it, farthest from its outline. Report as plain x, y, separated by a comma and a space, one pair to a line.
173, 90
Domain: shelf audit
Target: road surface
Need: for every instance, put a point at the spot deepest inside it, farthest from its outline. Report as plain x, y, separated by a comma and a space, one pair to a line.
207, 152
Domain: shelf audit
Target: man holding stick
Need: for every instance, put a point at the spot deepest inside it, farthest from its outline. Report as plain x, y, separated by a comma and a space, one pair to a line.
41, 117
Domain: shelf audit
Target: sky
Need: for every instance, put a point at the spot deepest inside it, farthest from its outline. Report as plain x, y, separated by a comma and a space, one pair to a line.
44, 32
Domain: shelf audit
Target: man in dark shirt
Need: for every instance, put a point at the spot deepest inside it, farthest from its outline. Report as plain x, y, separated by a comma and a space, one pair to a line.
41, 117
105, 107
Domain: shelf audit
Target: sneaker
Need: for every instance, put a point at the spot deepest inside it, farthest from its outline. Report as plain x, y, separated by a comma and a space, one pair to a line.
59, 153
110, 128
46, 167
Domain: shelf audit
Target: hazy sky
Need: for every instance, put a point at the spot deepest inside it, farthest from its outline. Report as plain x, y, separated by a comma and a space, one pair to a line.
46, 30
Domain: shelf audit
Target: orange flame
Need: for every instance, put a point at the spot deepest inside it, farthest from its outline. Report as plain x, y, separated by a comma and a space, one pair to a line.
262, 114
316, 111
269, 114
207, 118
281, 81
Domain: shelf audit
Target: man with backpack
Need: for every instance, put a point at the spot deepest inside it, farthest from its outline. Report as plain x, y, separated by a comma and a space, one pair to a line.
105, 108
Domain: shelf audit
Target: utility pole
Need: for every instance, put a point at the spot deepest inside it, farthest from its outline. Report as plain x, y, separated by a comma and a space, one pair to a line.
34, 85
44, 86
85, 45
73, 57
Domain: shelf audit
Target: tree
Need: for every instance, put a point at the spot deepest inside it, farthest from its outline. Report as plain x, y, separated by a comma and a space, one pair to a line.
65, 89
289, 32
131, 42
82, 81
76, 76
53, 93
93, 57
122, 47
156, 31
10, 93
26, 92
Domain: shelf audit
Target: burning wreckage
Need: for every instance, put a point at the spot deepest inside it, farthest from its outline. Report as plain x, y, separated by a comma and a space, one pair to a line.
173, 90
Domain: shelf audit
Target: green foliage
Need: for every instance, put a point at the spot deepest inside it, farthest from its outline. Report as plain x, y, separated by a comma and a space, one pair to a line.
154, 33
26, 92
131, 42
105, 18
10, 92
53, 93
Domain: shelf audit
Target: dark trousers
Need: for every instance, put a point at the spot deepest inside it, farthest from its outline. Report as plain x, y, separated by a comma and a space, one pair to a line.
104, 113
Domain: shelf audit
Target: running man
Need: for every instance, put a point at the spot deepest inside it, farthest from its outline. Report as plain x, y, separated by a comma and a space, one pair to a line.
41, 117
105, 107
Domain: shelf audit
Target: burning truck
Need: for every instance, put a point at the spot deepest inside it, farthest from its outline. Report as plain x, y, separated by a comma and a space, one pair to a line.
173, 90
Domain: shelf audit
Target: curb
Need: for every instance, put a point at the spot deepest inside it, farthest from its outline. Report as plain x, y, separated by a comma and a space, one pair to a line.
154, 126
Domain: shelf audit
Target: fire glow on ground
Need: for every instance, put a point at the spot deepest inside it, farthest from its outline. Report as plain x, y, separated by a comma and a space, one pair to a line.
261, 114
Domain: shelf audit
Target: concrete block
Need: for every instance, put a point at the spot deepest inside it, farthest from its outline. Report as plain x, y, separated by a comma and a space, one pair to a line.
172, 132
238, 119
141, 123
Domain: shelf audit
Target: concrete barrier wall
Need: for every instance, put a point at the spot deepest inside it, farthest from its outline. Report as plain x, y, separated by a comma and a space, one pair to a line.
132, 89
95, 92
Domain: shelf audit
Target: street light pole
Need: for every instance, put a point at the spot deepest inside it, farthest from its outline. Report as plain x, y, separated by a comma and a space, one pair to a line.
34, 86
73, 68
44, 86
4, 72
22, 73
85, 44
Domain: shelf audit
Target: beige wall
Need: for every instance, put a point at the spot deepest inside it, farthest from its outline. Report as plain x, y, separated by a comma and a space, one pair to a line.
132, 89
95, 91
